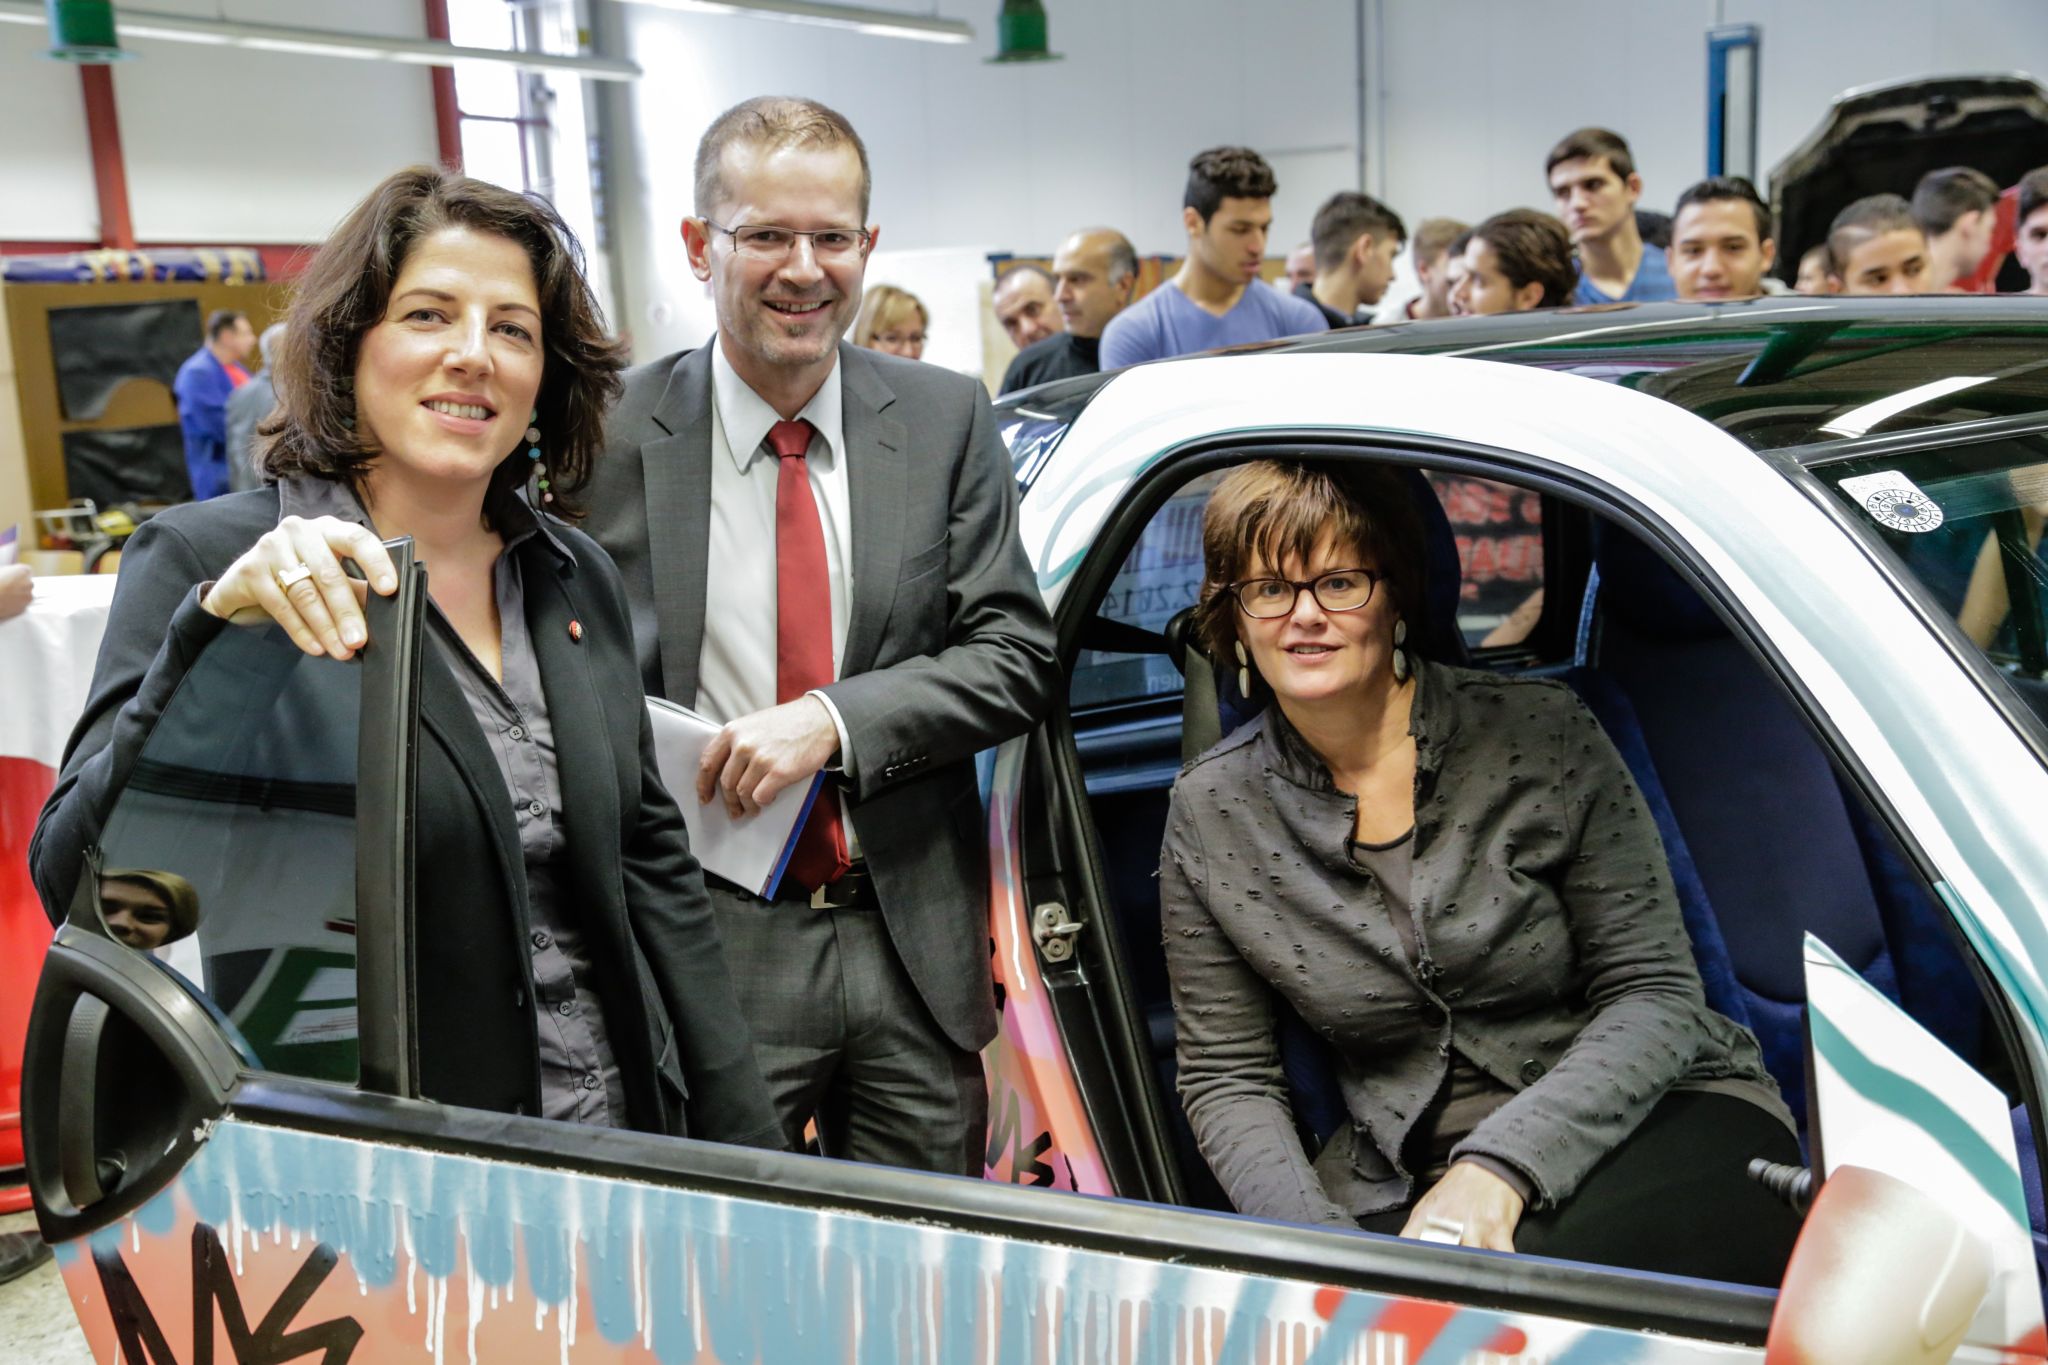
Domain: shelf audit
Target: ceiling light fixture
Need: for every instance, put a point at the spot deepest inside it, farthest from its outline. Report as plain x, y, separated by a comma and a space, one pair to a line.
319, 42
881, 23
1021, 33
83, 31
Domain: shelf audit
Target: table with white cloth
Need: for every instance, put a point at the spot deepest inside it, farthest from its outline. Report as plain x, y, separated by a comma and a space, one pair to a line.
46, 662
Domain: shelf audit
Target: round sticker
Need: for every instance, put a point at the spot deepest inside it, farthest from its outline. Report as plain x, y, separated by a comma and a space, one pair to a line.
1903, 509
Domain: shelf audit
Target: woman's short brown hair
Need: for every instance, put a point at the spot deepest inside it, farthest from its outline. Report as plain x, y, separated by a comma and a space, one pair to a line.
348, 286
1273, 511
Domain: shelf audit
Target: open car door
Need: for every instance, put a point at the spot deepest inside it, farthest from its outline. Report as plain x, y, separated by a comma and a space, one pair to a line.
1917, 1247
263, 825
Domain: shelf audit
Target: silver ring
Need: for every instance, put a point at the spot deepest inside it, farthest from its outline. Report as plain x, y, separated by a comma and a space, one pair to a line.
296, 574
1447, 1230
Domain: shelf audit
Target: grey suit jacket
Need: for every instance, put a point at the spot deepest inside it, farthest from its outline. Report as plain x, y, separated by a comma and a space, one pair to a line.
948, 646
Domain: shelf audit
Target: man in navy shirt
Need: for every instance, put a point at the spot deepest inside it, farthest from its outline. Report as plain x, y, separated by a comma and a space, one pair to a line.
1593, 178
202, 387
1215, 299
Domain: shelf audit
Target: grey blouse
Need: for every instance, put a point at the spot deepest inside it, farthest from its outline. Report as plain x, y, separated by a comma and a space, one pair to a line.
1550, 953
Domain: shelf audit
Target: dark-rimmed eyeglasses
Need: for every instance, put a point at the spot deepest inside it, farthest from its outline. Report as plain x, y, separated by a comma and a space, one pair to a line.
775, 243
1265, 599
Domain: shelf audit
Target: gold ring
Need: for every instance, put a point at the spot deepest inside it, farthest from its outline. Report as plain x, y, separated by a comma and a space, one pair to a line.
287, 579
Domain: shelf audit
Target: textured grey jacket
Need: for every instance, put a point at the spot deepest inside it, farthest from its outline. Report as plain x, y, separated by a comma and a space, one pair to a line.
1551, 952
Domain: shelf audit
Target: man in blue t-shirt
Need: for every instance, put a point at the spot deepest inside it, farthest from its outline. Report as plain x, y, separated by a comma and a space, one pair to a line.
1593, 178
1215, 299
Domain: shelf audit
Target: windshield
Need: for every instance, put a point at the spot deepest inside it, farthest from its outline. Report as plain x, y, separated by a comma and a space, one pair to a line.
1964, 520
1033, 423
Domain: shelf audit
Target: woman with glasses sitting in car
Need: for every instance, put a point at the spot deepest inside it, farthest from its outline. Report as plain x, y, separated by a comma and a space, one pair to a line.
1449, 876
444, 377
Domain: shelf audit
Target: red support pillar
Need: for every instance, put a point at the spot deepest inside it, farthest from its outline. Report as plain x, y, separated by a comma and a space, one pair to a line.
109, 170
447, 118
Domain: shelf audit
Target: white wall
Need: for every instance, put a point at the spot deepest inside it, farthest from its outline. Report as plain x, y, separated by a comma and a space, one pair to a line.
46, 191
222, 144
1014, 156
1477, 91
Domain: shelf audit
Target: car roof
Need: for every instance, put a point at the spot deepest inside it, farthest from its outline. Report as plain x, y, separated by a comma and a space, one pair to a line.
1779, 371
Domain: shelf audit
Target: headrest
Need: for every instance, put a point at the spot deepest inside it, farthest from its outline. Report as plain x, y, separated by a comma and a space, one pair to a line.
1643, 593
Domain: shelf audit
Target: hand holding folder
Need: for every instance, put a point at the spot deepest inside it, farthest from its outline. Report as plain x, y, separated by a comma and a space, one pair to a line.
751, 851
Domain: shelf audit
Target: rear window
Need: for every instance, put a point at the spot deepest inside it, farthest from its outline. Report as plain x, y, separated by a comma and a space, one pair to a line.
1499, 532
1965, 521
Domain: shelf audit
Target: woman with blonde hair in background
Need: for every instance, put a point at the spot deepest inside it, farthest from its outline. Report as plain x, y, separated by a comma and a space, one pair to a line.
892, 320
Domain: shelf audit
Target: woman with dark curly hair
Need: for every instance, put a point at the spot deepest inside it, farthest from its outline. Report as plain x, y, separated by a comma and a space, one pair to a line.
444, 377
1449, 876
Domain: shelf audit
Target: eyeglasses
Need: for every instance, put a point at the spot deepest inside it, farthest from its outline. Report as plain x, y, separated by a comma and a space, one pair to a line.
775, 243
1266, 599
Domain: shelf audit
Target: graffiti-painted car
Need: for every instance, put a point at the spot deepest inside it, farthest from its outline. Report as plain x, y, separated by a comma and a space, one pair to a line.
227, 1144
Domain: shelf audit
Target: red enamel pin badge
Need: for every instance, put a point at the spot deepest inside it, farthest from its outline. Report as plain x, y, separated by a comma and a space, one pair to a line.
576, 631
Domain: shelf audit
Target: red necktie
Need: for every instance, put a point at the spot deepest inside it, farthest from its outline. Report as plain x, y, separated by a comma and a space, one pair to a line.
803, 636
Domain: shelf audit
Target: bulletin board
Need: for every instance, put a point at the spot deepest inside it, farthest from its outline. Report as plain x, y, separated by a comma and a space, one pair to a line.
105, 418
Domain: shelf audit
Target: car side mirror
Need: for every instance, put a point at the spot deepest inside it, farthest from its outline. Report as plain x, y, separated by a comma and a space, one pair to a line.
1882, 1275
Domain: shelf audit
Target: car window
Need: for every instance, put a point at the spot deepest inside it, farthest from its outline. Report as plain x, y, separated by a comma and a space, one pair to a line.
230, 854
1965, 522
1161, 576
1499, 529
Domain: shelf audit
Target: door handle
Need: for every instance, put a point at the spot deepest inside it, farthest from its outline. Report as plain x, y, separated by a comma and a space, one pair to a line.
77, 1112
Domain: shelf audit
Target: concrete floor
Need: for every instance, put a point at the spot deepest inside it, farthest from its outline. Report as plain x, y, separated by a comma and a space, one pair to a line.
36, 1321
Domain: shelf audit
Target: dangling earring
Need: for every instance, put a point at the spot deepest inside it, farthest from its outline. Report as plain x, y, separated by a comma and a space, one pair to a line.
1244, 673
533, 453
1400, 654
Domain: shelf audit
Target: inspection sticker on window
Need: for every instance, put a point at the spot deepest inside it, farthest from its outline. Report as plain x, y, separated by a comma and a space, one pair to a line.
1892, 500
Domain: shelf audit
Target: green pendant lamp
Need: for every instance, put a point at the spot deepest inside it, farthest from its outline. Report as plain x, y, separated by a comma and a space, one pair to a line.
1020, 32
83, 31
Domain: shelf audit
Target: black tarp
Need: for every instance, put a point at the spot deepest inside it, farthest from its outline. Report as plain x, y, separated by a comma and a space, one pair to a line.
129, 464
98, 349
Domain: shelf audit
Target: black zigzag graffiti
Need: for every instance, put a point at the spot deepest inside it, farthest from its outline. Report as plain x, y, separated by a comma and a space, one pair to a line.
214, 1286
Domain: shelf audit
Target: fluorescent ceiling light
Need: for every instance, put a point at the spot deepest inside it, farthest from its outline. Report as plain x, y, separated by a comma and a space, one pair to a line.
320, 42
882, 23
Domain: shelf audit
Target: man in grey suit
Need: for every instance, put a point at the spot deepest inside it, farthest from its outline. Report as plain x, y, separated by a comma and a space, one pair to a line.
820, 547
247, 406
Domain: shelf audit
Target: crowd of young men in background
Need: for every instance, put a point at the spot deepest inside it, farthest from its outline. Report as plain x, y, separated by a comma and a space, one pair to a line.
1600, 246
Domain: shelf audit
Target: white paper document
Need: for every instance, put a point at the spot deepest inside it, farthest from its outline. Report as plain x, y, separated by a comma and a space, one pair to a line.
751, 851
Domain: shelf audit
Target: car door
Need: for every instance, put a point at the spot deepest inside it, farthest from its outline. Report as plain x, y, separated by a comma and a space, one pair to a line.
243, 916
1108, 552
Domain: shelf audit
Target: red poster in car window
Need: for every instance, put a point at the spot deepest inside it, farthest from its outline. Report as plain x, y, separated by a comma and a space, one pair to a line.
1499, 529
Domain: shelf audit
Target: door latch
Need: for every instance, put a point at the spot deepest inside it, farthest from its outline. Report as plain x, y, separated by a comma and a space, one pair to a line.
1053, 930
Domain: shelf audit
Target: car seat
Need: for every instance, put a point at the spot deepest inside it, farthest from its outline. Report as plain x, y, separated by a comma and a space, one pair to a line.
1765, 839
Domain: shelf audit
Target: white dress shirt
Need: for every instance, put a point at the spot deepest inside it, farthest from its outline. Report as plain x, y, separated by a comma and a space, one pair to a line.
736, 671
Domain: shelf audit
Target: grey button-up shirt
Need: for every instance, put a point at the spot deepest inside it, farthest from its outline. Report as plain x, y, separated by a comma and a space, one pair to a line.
579, 1077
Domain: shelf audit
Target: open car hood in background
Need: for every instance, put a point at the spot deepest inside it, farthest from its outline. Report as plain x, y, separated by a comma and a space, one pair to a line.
1884, 138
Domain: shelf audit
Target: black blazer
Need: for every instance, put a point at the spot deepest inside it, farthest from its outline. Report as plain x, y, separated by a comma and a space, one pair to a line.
683, 1050
949, 650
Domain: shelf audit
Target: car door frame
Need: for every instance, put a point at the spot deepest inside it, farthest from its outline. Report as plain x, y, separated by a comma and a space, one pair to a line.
1149, 490
85, 964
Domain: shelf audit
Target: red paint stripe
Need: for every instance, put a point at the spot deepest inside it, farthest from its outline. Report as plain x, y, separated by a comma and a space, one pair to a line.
109, 170
1420, 1322
447, 116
